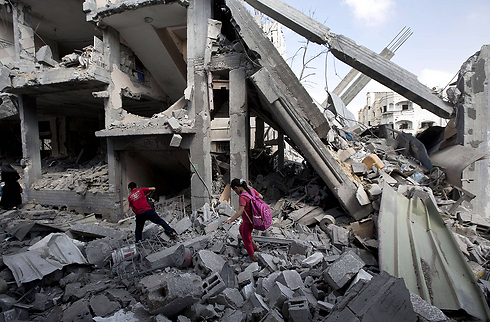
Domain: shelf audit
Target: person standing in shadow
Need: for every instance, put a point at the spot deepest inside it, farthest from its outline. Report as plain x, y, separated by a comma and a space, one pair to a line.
12, 190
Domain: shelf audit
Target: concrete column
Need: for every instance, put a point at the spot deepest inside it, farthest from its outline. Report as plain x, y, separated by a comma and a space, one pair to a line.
259, 133
198, 13
239, 128
112, 107
23, 32
112, 58
30, 139
280, 151
476, 94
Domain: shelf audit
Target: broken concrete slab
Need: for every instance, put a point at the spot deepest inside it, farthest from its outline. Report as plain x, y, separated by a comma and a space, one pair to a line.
102, 306
343, 269
95, 231
230, 297
385, 297
206, 261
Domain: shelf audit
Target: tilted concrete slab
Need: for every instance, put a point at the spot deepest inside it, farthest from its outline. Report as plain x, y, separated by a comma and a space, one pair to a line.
364, 60
315, 151
278, 68
286, 97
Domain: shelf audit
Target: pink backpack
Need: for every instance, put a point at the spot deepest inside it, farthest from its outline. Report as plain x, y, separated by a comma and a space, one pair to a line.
262, 214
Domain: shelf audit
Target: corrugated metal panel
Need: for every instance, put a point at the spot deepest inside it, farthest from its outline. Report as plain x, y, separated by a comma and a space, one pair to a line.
416, 245
49, 254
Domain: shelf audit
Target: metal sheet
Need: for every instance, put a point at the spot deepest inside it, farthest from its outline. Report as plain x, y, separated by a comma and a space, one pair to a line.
416, 245
454, 159
48, 255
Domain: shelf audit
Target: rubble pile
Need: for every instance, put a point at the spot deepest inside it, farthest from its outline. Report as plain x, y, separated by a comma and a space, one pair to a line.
67, 174
312, 265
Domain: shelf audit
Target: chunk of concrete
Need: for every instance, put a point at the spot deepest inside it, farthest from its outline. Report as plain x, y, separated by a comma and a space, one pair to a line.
291, 279
121, 295
169, 257
182, 225
169, 294
279, 294
45, 55
174, 125
273, 316
98, 252
206, 262
425, 311
313, 260
343, 269
267, 260
374, 192
359, 168
228, 275
299, 247
338, 235
176, 140
230, 297
102, 306
78, 311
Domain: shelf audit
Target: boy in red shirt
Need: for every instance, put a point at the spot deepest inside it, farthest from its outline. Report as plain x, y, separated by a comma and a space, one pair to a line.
144, 212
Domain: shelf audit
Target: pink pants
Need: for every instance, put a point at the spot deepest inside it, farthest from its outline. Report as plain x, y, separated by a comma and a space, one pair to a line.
246, 229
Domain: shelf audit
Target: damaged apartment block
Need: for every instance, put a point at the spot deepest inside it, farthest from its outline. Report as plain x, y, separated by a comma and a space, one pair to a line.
184, 95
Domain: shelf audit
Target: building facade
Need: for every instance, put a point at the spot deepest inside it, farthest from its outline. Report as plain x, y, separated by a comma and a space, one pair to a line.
392, 108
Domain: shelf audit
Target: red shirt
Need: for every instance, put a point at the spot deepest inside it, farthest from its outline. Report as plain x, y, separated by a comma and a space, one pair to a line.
245, 201
137, 200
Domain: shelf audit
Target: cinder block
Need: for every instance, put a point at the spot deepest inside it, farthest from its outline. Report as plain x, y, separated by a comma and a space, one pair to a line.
212, 286
343, 269
296, 310
169, 294
206, 262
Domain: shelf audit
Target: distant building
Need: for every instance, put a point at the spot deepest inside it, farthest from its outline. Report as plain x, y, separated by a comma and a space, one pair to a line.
392, 108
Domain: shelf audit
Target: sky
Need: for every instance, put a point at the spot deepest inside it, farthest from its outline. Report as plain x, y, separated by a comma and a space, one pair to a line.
445, 35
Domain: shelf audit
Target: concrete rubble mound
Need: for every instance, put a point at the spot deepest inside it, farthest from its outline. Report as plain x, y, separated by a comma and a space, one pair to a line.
313, 265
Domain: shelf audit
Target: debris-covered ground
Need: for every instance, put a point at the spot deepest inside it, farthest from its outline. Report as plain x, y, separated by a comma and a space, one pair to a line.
315, 262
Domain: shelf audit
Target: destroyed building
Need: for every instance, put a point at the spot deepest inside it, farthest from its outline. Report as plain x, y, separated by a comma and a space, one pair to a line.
101, 93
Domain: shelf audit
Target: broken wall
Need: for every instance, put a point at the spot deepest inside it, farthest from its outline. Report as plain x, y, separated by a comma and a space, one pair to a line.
475, 100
